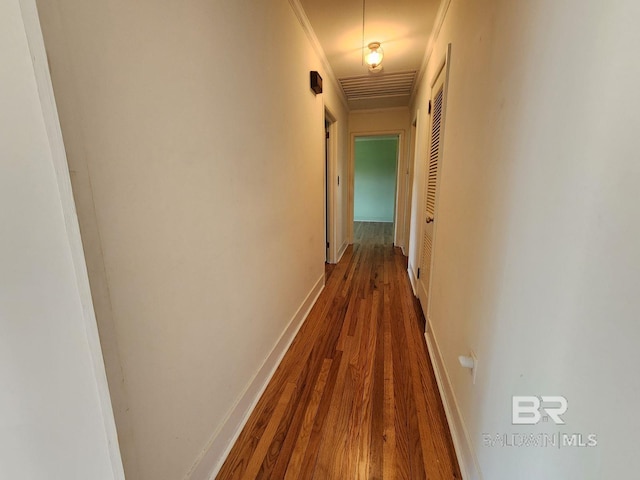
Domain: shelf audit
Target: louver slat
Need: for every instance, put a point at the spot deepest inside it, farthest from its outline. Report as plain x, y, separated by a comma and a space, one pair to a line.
378, 86
434, 154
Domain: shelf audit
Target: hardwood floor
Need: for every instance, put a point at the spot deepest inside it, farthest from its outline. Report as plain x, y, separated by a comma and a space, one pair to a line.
355, 396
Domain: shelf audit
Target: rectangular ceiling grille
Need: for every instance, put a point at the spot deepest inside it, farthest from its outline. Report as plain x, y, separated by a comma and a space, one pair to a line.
378, 85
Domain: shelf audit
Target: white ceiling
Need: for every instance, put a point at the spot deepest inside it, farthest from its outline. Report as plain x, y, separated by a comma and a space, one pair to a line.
402, 27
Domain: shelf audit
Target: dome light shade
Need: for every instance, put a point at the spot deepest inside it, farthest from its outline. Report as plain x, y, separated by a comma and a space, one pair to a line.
374, 56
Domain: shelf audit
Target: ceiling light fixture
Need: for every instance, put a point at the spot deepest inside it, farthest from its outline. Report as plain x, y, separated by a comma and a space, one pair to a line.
374, 56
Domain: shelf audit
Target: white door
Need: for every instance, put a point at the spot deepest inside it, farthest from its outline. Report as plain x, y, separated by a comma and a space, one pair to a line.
431, 182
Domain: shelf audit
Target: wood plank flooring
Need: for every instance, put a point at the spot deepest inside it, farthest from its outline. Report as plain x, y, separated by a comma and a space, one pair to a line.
355, 396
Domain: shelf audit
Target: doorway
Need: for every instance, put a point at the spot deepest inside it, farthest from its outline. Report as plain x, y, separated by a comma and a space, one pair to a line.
375, 179
327, 255
433, 164
413, 141
331, 182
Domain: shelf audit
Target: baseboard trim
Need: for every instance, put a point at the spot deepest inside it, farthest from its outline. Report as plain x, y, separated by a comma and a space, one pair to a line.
423, 295
413, 280
372, 220
343, 249
461, 441
209, 462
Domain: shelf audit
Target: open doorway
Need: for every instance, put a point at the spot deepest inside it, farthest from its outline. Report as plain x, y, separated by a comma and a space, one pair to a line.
327, 132
413, 141
329, 186
375, 181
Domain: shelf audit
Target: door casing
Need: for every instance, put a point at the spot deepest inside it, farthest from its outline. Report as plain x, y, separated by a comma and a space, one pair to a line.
425, 283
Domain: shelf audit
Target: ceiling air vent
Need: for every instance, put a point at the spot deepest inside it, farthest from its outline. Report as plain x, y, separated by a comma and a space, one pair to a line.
378, 86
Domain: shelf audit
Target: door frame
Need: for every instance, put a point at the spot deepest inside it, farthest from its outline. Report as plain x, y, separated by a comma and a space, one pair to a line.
398, 216
410, 172
330, 186
443, 66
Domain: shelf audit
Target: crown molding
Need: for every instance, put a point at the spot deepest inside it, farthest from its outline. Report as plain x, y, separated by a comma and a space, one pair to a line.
437, 26
301, 15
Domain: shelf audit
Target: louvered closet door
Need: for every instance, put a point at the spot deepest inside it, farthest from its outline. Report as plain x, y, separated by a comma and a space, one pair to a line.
431, 182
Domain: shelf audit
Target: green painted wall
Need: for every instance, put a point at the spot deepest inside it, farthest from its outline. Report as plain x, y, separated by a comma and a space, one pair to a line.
375, 180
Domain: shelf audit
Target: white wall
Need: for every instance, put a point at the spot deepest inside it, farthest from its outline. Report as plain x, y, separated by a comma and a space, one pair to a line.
385, 120
196, 152
536, 253
55, 416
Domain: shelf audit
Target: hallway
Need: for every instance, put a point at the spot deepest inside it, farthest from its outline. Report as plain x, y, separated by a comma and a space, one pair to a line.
355, 396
